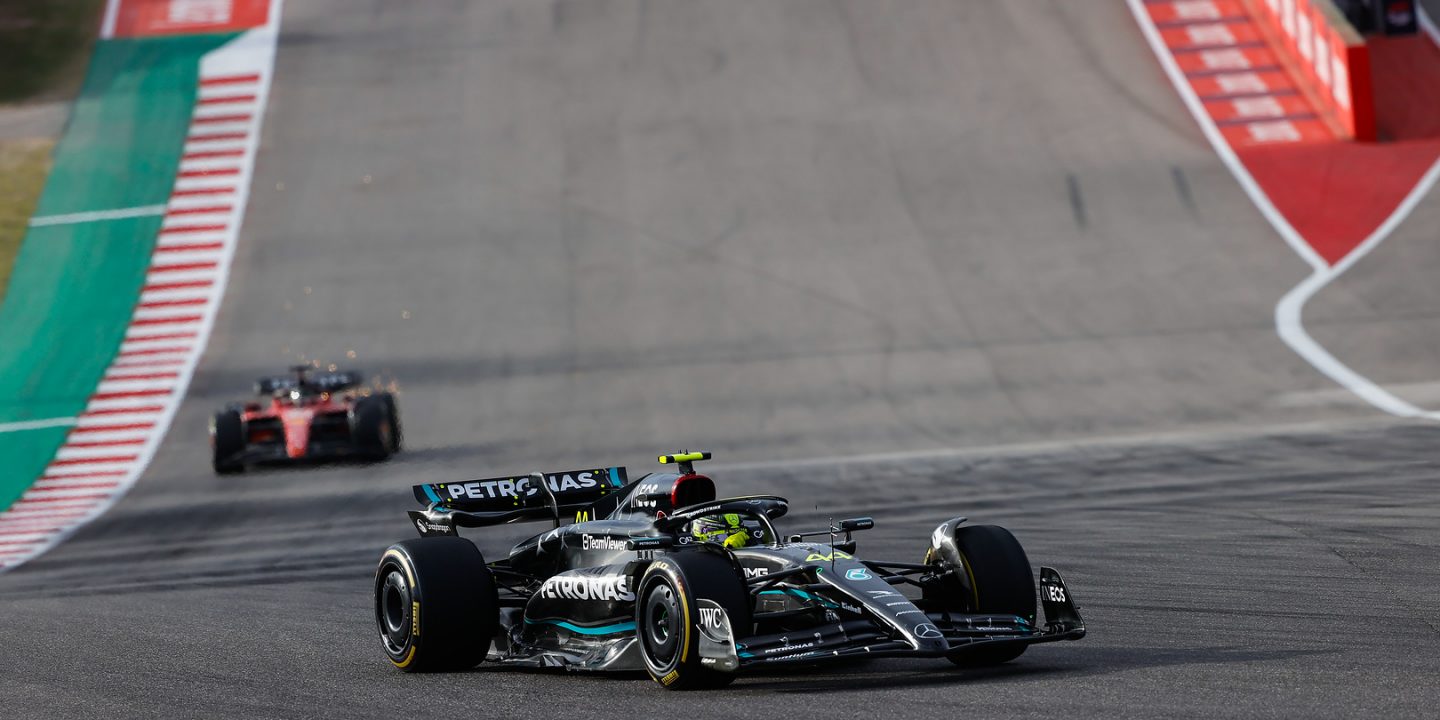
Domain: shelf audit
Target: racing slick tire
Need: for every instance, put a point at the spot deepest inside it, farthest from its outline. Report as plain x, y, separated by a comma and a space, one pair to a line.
371, 428
1000, 582
436, 606
392, 414
227, 441
667, 616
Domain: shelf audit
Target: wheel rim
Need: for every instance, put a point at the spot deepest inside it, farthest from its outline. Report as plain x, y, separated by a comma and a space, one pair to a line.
392, 610
662, 624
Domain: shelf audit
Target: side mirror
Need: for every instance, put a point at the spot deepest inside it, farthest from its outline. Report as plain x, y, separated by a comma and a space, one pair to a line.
853, 524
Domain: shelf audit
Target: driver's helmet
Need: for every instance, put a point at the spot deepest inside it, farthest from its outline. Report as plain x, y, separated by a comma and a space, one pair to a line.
723, 528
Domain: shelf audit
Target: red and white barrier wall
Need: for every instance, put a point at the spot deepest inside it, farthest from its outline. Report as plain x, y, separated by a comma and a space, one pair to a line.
1328, 56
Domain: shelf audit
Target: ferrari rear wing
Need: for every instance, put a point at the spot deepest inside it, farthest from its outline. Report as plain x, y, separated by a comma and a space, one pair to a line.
497, 501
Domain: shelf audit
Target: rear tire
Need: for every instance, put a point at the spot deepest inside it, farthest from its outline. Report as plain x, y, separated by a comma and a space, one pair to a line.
999, 582
227, 442
371, 429
436, 607
666, 599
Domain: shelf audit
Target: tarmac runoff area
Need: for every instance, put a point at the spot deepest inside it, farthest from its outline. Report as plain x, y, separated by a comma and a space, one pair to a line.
785, 232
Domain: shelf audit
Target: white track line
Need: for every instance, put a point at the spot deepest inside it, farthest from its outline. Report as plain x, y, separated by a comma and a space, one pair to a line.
134, 403
112, 13
24, 425
1427, 25
1289, 312
97, 216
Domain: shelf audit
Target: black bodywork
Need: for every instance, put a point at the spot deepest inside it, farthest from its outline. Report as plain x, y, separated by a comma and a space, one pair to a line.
567, 596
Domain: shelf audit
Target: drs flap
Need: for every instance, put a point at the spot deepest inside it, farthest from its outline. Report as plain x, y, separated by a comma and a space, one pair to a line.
572, 487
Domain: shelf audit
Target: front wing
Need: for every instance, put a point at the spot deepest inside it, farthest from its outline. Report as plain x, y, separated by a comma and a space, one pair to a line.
963, 633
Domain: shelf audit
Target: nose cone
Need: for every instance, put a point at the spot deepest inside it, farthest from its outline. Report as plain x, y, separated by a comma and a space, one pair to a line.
928, 638
297, 433
864, 585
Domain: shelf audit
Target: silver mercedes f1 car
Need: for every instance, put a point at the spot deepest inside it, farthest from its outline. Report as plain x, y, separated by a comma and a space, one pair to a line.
658, 575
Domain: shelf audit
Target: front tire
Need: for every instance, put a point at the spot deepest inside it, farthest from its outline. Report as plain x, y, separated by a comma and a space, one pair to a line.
436, 607
227, 442
998, 581
667, 616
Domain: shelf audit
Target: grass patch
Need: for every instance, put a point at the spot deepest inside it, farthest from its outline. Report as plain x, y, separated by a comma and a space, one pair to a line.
23, 167
44, 49
44, 45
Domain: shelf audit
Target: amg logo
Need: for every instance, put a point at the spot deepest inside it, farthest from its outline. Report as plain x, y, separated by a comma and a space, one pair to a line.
646, 494
755, 572
613, 588
590, 542
516, 487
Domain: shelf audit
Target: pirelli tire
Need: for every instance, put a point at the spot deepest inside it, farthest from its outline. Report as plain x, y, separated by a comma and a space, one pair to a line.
998, 580
667, 616
436, 606
227, 442
392, 414
372, 429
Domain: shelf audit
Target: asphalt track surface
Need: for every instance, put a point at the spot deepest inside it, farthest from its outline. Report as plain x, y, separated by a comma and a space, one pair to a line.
787, 232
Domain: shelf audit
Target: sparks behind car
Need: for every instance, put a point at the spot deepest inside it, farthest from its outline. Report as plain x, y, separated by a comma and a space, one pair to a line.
305, 415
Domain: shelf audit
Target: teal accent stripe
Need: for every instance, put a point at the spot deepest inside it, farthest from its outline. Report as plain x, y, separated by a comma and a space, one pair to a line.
799, 593
792, 591
615, 477
431, 492
602, 630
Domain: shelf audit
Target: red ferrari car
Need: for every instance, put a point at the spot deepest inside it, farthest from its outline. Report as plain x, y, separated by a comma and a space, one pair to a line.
305, 416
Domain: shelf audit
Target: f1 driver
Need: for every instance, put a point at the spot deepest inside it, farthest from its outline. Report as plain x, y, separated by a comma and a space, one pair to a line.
725, 529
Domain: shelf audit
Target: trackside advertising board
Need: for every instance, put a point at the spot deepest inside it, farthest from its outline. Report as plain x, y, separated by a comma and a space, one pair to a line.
136, 18
1330, 57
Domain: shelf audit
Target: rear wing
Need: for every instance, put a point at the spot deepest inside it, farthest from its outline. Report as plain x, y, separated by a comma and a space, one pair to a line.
495, 501
333, 381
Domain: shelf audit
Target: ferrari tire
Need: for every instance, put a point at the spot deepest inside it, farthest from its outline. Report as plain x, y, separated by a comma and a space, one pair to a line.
667, 616
371, 428
227, 442
1000, 582
436, 607
392, 415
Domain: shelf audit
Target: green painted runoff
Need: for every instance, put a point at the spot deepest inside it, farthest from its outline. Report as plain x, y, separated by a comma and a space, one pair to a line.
74, 286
